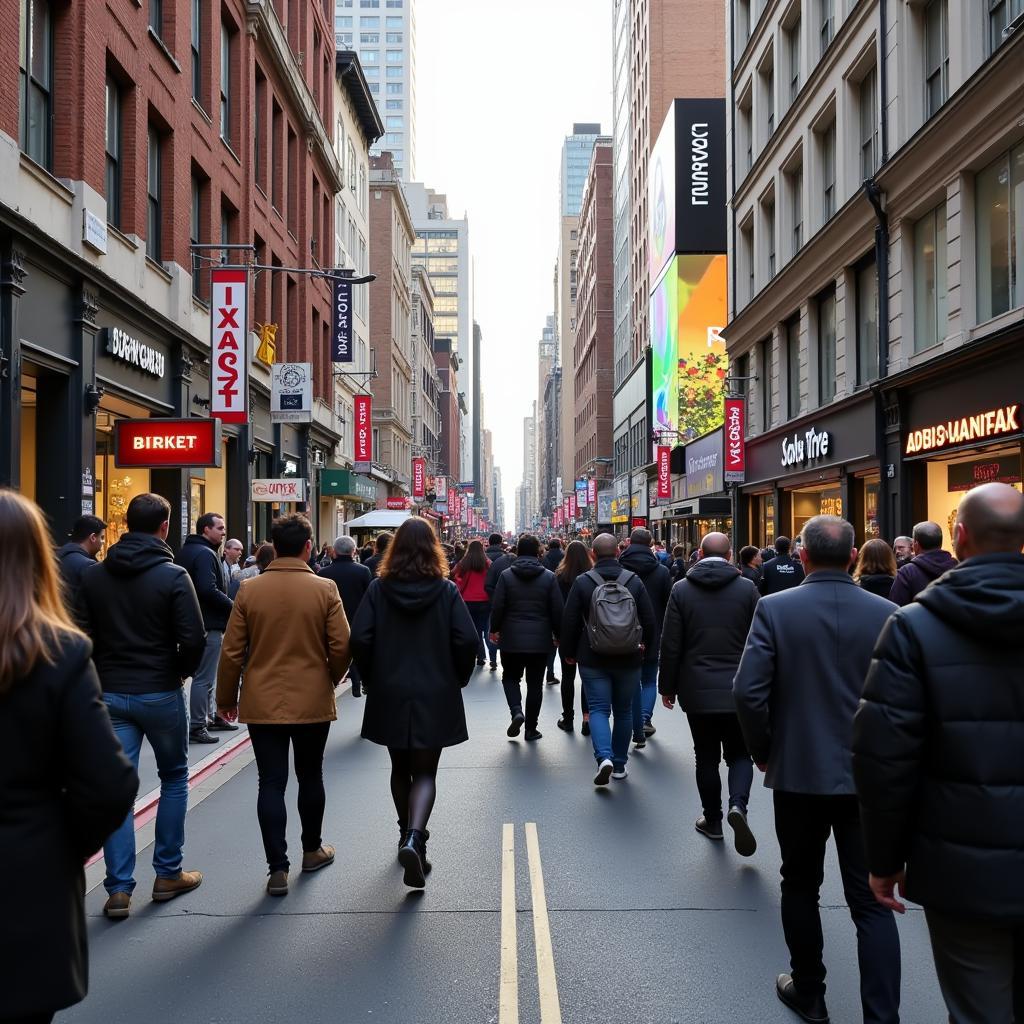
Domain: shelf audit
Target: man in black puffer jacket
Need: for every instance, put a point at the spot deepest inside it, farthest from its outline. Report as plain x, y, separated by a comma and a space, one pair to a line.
937, 760
929, 563
526, 617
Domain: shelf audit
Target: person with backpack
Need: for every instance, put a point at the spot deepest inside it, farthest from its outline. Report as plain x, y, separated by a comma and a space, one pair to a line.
607, 625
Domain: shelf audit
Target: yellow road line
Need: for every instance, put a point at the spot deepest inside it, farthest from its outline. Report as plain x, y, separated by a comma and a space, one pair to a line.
508, 991
550, 1011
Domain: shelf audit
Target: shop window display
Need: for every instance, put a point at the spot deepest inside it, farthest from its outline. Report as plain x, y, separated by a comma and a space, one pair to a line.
29, 385
872, 486
115, 487
815, 501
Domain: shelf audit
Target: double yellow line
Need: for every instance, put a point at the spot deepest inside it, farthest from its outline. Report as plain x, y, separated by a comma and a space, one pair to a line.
547, 984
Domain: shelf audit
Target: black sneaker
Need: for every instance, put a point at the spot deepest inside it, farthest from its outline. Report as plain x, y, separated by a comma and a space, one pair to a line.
552, 679
809, 1008
711, 829
480, 663
640, 741
219, 724
649, 729
518, 718
746, 844
494, 666
585, 727
532, 734
565, 724
202, 736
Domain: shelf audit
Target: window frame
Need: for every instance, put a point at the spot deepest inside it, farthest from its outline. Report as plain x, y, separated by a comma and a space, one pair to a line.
938, 301
826, 366
226, 39
197, 50
826, 25
867, 348
112, 165
867, 113
30, 86
154, 194
939, 72
827, 141
791, 328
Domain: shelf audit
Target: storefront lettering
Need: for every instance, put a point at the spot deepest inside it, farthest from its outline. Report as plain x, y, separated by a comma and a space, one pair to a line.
812, 446
992, 423
134, 352
176, 442
699, 165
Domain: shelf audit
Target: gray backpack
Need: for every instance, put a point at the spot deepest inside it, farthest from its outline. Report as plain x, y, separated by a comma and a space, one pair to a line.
613, 625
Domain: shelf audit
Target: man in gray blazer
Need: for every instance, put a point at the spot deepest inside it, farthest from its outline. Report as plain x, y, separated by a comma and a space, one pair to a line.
797, 689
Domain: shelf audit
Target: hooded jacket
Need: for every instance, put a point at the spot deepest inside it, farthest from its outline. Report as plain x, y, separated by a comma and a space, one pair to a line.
352, 581
780, 573
73, 561
706, 624
201, 560
497, 567
937, 743
527, 608
143, 616
658, 583
913, 577
553, 558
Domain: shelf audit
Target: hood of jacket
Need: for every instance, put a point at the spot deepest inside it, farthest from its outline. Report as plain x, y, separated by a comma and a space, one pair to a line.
639, 559
135, 553
494, 552
527, 567
195, 538
934, 563
982, 596
74, 549
712, 573
413, 595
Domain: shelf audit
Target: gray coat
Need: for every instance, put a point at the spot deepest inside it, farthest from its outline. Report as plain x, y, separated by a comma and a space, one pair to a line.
801, 677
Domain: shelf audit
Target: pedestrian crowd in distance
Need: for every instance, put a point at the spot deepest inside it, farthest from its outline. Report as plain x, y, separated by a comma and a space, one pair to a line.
880, 691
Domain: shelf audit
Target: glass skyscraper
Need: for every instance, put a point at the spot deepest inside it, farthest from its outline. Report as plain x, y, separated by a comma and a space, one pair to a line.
576, 154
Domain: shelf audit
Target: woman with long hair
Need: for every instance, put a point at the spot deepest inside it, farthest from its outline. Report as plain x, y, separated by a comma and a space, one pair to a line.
575, 562
65, 783
876, 567
471, 579
414, 686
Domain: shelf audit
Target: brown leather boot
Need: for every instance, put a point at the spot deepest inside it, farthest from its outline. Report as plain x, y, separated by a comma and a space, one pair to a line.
165, 889
318, 859
118, 905
277, 883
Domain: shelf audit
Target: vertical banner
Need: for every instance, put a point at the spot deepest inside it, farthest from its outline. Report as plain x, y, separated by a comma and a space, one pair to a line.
471, 519
341, 315
556, 518
735, 442
592, 492
229, 359
441, 488
363, 405
664, 471
565, 509
419, 477
572, 506
581, 494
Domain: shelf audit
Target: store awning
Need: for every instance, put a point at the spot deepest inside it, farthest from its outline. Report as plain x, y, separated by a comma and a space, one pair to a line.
378, 519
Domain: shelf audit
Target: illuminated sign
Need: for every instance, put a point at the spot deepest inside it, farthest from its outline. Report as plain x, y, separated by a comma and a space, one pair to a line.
664, 471
735, 442
809, 447
980, 427
136, 353
396, 504
284, 489
160, 443
363, 405
419, 477
229, 316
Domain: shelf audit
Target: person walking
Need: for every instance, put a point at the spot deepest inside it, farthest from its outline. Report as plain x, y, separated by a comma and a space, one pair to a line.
706, 625
289, 633
606, 630
930, 561
679, 565
526, 617
200, 557
352, 580
470, 578
796, 694
641, 559
876, 567
79, 554
380, 546
414, 688
781, 572
65, 783
936, 760
576, 562
554, 554
263, 557
146, 625
495, 552
750, 563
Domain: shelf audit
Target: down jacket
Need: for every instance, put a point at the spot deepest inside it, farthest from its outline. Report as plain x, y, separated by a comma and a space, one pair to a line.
937, 743
527, 608
657, 582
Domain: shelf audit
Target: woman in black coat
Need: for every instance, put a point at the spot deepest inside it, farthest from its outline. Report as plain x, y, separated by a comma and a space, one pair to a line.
876, 567
414, 644
576, 562
65, 783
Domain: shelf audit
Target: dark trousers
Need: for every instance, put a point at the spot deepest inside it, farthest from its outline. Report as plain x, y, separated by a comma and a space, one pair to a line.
356, 679
569, 691
512, 668
480, 613
551, 667
713, 736
270, 744
980, 965
803, 823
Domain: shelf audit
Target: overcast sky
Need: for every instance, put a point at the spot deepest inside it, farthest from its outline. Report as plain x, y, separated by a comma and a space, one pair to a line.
498, 89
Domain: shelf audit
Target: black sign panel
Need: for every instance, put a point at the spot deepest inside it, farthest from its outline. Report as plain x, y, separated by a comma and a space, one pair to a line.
341, 344
701, 220
963, 476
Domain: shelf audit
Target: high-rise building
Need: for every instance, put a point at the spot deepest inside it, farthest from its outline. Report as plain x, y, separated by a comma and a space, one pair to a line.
526, 492
622, 139
547, 427
384, 36
426, 384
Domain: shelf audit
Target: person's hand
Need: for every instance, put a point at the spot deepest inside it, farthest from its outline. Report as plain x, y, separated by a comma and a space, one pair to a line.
762, 768
495, 638
884, 890
569, 661
668, 701
228, 714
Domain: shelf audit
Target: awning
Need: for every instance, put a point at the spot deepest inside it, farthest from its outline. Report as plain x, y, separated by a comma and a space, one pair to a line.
378, 519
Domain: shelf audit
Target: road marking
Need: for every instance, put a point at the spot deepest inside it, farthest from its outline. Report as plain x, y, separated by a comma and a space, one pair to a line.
550, 1010
508, 992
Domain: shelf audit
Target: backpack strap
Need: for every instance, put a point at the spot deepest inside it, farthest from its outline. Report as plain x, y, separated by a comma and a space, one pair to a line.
624, 577
596, 578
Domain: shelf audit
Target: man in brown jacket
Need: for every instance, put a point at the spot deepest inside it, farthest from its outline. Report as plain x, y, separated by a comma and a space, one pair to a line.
288, 632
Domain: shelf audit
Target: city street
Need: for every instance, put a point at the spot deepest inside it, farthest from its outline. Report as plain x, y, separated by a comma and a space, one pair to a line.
629, 913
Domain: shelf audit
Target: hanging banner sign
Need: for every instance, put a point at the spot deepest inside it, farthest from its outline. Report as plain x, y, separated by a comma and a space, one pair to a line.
572, 506
581, 494
341, 315
419, 477
291, 393
565, 509
664, 471
735, 441
592, 492
441, 488
363, 405
229, 318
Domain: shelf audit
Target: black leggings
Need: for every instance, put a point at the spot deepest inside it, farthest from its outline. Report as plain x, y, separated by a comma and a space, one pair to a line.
569, 692
270, 745
414, 785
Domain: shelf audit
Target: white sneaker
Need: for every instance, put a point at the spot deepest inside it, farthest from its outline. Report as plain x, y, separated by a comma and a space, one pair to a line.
621, 773
604, 773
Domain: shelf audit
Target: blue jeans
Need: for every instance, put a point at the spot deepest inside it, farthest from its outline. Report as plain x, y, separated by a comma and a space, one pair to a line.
645, 697
160, 718
204, 682
610, 695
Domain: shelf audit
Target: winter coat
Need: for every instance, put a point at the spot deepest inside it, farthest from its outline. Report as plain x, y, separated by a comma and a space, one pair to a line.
471, 585
73, 561
800, 678
678, 569
575, 643
373, 563
877, 583
913, 577
414, 687
65, 785
937, 743
493, 552
352, 580
498, 566
143, 616
202, 561
706, 624
644, 562
527, 608
754, 575
780, 573
553, 558
289, 633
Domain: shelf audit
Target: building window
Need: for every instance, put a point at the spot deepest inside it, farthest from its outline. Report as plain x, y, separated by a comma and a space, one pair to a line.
1000, 14
195, 233
393, 22
393, 72
868, 102
369, 38
765, 375
793, 49
197, 51
742, 22
153, 190
274, 166
827, 142
394, 88
394, 124
393, 38
35, 81
369, 56
768, 208
394, 104
113, 148
930, 279
747, 258
225, 83
259, 108
393, 57
795, 180
826, 23
746, 127
936, 56
867, 322
792, 332
999, 212
826, 346
156, 16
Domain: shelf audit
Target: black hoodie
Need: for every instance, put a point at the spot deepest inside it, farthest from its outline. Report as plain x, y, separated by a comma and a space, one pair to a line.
143, 616
706, 625
527, 608
202, 560
937, 743
913, 577
658, 583
73, 561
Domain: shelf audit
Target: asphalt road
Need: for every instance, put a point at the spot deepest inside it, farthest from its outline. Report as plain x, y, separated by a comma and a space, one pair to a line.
622, 913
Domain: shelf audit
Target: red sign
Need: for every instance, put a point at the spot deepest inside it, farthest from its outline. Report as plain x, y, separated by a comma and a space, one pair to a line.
363, 405
398, 503
664, 471
565, 509
592, 492
735, 443
229, 326
471, 519
157, 443
557, 517
572, 506
419, 478
638, 521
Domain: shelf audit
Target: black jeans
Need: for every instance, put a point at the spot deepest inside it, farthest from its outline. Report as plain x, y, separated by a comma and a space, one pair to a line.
715, 735
569, 692
270, 745
803, 823
480, 613
356, 680
512, 668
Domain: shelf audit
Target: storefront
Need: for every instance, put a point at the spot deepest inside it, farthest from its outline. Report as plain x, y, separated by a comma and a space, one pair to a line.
350, 495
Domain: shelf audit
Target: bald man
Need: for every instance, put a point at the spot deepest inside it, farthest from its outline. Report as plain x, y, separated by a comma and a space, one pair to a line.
938, 762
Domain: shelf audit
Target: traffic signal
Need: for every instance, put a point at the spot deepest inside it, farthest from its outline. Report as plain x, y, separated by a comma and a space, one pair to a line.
267, 350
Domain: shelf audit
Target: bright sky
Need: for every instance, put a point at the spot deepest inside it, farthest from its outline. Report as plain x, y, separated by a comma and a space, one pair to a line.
499, 86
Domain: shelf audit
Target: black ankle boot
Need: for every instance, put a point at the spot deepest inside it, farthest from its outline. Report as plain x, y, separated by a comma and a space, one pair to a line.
411, 855
403, 828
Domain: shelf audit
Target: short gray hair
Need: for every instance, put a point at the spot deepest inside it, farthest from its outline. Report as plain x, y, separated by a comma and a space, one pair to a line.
344, 546
928, 535
828, 541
